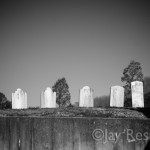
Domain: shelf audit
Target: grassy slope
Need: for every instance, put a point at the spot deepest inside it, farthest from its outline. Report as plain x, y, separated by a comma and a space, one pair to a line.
75, 112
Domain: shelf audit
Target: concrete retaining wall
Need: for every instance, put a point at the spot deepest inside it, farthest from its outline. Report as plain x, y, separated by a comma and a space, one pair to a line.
85, 133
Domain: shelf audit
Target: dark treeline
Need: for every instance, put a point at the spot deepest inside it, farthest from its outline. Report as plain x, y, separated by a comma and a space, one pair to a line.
4, 102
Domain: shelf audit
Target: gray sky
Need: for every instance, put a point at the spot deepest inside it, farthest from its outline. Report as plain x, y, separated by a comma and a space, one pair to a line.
87, 42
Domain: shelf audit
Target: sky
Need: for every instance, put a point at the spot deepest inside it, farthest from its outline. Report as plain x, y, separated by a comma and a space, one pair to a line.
89, 42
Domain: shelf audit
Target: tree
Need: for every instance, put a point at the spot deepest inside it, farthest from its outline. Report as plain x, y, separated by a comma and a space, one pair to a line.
62, 92
147, 91
133, 72
4, 103
146, 85
102, 101
147, 99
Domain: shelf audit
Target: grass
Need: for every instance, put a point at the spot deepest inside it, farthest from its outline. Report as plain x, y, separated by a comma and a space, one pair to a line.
74, 112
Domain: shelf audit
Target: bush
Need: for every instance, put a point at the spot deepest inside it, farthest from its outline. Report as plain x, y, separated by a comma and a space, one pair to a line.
4, 103
147, 100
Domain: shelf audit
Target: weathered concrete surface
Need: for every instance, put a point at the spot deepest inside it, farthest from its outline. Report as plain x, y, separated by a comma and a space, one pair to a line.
73, 133
4, 133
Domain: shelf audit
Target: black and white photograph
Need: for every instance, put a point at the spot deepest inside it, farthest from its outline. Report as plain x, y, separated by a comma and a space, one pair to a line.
74, 75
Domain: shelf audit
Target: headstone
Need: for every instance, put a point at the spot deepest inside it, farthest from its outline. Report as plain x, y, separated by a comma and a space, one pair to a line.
86, 97
19, 99
137, 94
48, 98
117, 96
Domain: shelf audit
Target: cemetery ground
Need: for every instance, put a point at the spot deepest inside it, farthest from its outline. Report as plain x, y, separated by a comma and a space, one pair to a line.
71, 128
113, 112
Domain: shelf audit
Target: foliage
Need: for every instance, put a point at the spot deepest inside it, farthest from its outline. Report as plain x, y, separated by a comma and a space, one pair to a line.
133, 72
147, 99
147, 92
103, 101
37, 107
146, 85
4, 103
73, 112
62, 92
70, 105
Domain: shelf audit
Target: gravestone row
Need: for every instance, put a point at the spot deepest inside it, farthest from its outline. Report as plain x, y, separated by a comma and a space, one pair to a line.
48, 97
